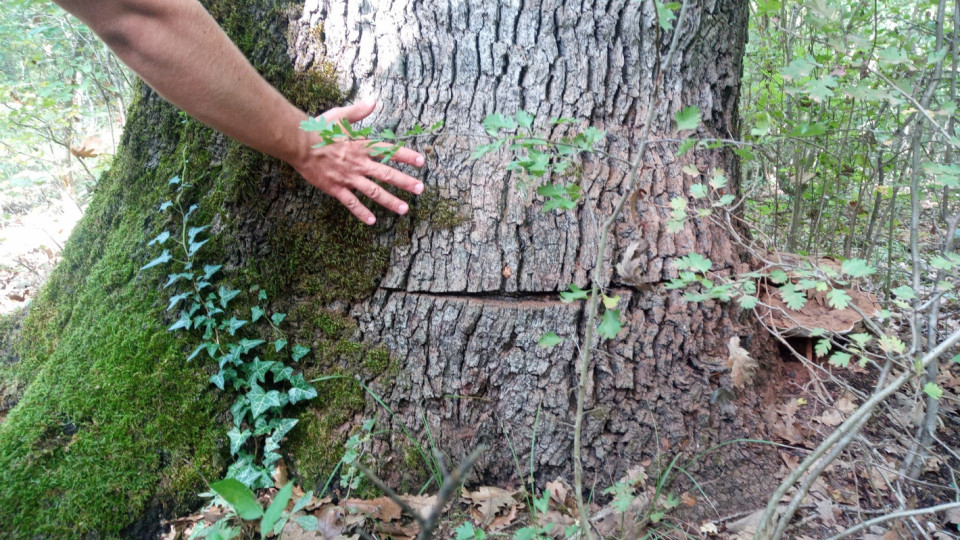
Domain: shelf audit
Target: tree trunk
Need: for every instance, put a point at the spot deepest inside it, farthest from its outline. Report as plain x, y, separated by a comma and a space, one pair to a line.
438, 312
463, 304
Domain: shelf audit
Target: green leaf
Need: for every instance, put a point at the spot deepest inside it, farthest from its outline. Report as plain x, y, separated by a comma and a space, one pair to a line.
240, 498
237, 438
298, 352
234, 324
761, 125
300, 390
275, 510
163, 258
665, 16
808, 130
695, 262
549, 340
262, 295
524, 119
820, 89
261, 401
493, 123
838, 299
856, 268
610, 302
255, 313
904, 292
257, 370
778, 276
575, 293
822, 348
277, 318
794, 299
226, 295
698, 191
688, 118
798, 69
282, 428
160, 239
610, 324
685, 146
861, 338
279, 344
840, 359
932, 390
308, 522
467, 531
747, 302
176, 299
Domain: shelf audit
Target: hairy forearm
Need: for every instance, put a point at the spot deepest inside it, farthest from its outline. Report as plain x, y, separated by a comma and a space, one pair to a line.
181, 52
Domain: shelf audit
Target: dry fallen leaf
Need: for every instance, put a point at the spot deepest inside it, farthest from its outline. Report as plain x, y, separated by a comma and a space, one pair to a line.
504, 521
831, 417
688, 499
827, 511
382, 508
846, 405
422, 504
710, 529
490, 500
743, 367
558, 492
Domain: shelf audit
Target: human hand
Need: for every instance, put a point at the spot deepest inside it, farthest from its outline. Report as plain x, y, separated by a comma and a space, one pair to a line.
342, 168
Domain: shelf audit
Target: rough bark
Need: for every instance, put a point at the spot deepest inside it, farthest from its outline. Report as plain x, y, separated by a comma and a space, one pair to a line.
461, 306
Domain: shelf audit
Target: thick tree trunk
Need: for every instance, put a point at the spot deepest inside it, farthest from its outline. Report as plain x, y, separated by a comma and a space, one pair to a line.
458, 292
463, 302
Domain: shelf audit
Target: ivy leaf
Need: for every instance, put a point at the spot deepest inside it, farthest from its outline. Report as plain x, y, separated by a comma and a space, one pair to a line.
838, 299
549, 340
688, 118
255, 313
279, 344
277, 318
184, 322
237, 438
234, 324
210, 269
176, 299
160, 239
282, 428
281, 372
163, 258
298, 352
575, 293
856, 268
226, 295
257, 370
300, 390
610, 324
261, 401
240, 498
239, 410
262, 295
932, 390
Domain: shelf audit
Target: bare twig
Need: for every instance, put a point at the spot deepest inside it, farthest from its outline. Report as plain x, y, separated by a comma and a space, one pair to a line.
895, 515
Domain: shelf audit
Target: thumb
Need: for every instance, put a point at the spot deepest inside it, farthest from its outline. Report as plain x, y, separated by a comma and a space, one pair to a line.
352, 113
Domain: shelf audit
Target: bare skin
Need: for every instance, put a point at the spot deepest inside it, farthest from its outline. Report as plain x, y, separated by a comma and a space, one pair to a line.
181, 52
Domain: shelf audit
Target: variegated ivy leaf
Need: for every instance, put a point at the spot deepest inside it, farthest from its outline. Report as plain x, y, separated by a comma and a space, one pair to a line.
261, 401
237, 438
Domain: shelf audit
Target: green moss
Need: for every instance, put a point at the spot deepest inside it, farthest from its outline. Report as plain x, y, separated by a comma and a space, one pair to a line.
317, 441
112, 418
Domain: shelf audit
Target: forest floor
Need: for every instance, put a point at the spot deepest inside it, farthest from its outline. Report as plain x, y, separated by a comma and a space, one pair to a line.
30, 245
806, 406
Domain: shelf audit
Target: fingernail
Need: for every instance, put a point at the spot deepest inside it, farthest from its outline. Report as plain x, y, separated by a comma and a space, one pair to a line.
371, 220
418, 189
402, 209
419, 161
369, 101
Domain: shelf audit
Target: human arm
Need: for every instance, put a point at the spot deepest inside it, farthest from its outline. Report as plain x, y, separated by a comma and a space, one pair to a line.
181, 52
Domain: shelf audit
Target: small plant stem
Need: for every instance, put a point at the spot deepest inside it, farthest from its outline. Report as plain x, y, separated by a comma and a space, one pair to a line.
764, 528
894, 515
598, 274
